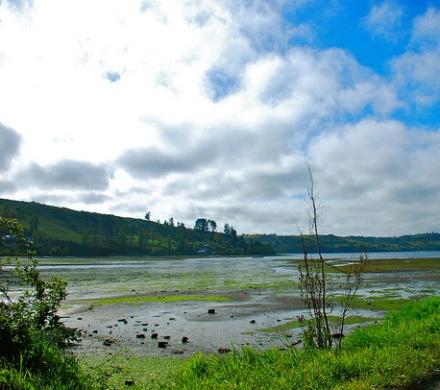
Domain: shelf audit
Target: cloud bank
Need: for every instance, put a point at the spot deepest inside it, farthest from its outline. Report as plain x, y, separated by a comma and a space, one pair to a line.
211, 109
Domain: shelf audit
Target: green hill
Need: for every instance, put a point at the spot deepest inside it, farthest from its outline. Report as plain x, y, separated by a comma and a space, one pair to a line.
335, 244
62, 231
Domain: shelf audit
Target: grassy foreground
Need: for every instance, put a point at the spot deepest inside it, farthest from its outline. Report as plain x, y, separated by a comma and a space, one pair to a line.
397, 353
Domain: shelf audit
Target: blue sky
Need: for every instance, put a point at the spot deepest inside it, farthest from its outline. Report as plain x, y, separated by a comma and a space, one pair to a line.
209, 108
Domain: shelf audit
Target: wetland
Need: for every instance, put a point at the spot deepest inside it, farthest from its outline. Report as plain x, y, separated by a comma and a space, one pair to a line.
178, 306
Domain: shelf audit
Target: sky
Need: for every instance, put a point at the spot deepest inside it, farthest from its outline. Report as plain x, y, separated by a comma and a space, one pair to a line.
214, 108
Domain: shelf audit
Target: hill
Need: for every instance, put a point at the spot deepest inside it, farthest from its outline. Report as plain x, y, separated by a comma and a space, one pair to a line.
336, 244
66, 232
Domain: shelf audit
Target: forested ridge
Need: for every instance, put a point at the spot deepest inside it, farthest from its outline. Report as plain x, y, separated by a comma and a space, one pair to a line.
62, 231
337, 244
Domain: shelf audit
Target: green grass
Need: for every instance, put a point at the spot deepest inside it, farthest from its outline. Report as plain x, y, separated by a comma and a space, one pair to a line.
386, 265
392, 265
146, 372
138, 299
300, 324
401, 351
379, 303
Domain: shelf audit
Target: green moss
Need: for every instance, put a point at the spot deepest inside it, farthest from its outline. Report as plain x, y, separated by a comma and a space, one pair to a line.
138, 299
300, 324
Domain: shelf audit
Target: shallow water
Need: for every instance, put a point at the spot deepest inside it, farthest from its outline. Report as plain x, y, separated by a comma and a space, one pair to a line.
263, 292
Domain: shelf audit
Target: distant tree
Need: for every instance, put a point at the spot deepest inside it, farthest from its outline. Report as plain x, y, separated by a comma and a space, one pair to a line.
171, 222
201, 225
212, 225
148, 216
227, 229
233, 233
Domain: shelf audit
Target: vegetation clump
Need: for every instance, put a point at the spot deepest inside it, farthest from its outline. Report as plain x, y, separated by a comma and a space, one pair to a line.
33, 339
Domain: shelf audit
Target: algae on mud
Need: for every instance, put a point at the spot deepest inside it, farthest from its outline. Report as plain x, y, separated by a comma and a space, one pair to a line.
138, 299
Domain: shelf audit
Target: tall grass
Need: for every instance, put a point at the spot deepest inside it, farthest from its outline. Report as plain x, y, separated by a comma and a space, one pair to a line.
403, 350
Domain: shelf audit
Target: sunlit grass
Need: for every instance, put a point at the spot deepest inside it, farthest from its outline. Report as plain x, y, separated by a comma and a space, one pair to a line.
300, 324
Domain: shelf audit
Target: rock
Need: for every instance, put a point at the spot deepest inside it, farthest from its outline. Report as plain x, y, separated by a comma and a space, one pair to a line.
172, 319
185, 339
211, 311
109, 326
177, 351
167, 337
232, 316
123, 320
140, 336
224, 350
95, 331
129, 382
252, 321
79, 318
144, 329
162, 344
154, 336
108, 342
144, 324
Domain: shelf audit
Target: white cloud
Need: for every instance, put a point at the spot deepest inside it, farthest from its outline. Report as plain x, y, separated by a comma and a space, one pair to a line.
416, 71
385, 21
198, 108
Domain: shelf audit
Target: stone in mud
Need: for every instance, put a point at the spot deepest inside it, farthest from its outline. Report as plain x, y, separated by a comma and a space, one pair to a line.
154, 336
185, 339
172, 319
252, 321
211, 311
110, 326
223, 350
162, 344
95, 331
144, 329
79, 318
232, 316
177, 351
144, 324
108, 342
140, 336
167, 337
123, 320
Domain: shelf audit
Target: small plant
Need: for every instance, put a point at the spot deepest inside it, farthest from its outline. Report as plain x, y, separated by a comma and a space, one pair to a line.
314, 286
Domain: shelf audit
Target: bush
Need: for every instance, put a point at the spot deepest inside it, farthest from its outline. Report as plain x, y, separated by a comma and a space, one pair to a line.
32, 337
